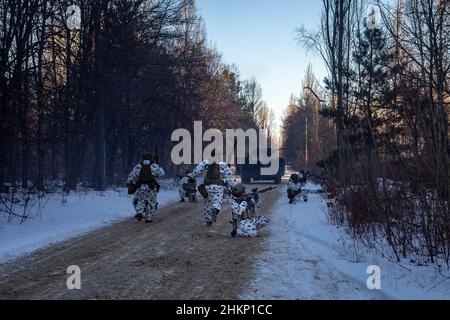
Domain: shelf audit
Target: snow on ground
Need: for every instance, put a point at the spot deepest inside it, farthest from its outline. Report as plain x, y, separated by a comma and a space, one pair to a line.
59, 219
308, 258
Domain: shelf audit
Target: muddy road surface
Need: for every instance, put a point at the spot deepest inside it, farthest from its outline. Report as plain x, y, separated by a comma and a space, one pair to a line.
176, 257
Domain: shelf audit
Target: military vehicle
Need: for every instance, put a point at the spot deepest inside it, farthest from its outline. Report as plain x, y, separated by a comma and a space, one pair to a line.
252, 172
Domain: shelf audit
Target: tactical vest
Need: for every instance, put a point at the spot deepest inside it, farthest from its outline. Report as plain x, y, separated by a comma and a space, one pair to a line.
213, 175
146, 177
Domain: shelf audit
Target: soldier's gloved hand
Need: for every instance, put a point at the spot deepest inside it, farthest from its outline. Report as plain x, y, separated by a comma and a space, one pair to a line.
131, 188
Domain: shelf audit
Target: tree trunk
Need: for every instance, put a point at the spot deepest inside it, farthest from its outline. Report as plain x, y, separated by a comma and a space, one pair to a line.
100, 133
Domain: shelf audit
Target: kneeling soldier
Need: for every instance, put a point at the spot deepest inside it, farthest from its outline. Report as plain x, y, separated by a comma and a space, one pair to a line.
243, 207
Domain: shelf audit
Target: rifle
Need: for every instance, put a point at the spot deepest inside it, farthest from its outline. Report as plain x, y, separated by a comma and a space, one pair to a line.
254, 195
320, 191
155, 153
234, 223
156, 160
263, 190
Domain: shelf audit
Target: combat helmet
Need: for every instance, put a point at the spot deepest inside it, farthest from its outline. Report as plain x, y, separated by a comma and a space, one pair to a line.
238, 190
295, 177
147, 156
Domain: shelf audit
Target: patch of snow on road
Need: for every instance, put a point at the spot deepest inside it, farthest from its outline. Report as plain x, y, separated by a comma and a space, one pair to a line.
60, 219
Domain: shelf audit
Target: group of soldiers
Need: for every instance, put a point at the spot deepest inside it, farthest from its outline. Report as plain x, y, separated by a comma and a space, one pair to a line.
219, 187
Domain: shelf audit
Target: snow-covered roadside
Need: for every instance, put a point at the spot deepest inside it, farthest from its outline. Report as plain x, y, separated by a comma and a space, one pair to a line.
307, 258
59, 220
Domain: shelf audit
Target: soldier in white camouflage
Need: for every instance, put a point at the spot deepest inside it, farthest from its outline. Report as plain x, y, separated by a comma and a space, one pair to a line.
218, 179
187, 188
295, 188
244, 219
143, 184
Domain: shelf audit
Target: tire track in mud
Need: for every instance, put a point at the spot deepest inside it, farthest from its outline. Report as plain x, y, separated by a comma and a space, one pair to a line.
176, 257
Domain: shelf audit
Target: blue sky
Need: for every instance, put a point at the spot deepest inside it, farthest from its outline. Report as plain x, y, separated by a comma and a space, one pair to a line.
259, 37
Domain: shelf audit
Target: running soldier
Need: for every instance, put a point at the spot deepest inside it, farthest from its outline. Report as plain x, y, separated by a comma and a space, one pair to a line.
218, 179
142, 183
294, 188
187, 188
243, 206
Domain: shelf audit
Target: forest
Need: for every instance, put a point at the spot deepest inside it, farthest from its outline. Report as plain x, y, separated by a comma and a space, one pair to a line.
377, 131
87, 86
81, 103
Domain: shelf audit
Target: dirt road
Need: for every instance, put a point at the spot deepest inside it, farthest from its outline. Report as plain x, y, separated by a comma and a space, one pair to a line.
177, 257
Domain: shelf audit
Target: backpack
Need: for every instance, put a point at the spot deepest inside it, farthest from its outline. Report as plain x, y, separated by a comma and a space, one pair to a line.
213, 175
146, 177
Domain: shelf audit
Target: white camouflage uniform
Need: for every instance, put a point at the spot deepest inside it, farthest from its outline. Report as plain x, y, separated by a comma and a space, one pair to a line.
297, 187
145, 200
249, 227
216, 193
181, 191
